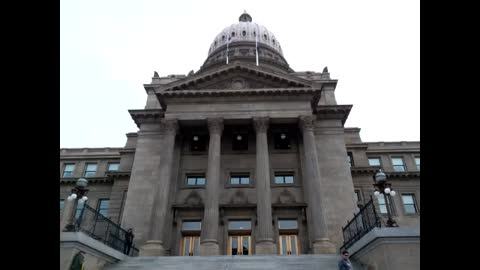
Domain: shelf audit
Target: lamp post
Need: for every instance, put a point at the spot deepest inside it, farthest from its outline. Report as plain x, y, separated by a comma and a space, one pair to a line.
77, 196
383, 187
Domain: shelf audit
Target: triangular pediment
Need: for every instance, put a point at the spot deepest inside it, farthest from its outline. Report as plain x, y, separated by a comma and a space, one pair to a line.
237, 77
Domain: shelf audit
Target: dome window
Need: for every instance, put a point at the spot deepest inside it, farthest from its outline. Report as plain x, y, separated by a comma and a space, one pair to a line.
273, 40
254, 34
265, 36
215, 43
233, 34
223, 37
244, 33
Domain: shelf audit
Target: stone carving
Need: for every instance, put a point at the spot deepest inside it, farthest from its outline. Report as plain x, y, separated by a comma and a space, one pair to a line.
193, 198
286, 197
306, 122
215, 125
325, 70
261, 124
238, 83
155, 74
169, 126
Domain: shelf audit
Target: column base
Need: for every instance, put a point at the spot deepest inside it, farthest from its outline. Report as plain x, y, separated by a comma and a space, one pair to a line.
266, 247
153, 248
209, 248
323, 246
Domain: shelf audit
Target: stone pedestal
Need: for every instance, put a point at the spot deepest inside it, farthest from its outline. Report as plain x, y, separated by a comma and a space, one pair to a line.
153, 248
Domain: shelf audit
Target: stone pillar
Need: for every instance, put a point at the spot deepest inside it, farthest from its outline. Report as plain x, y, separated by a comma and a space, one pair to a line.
264, 243
209, 242
321, 243
155, 245
68, 214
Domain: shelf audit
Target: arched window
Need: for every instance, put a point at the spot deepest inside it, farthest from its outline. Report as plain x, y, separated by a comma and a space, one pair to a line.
244, 33
223, 37
265, 36
233, 34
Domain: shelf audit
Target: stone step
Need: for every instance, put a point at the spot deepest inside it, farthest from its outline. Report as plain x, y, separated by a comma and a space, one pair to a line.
302, 262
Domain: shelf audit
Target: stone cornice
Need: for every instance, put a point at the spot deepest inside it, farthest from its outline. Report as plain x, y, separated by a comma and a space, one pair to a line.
116, 175
240, 92
357, 145
333, 112
146, 116
390, 175
91, 180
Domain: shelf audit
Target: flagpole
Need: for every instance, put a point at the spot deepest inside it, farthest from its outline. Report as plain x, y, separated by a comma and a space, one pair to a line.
256, 44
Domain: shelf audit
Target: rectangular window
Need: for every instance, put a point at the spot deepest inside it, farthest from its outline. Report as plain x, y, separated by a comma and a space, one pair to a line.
350, 159
398, 164
68, 170
102, 207
286, 224
240, 225
409, 204
90, 170
281, 140
417, 162
284, 178
239, 179
113, 167
357, 194
383, 206
191, 226
195, 180
374, 162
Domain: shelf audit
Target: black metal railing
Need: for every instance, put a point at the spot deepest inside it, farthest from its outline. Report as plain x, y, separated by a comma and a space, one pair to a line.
101, 228
363, 222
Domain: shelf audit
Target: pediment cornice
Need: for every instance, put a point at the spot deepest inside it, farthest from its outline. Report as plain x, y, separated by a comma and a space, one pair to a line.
191, 81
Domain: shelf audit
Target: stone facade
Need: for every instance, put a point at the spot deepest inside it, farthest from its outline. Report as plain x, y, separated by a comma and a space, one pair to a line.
186, 162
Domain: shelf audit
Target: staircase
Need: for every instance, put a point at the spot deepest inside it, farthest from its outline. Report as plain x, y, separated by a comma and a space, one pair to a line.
302, 262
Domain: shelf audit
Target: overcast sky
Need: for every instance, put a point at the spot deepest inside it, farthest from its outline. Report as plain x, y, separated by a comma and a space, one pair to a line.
110, 48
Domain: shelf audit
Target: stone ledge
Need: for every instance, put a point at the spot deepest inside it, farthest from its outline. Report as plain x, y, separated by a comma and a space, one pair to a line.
90, 246
389, 235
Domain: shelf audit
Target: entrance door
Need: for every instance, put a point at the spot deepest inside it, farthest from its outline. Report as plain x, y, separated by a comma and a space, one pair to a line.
239, 245
288, 244
190, 245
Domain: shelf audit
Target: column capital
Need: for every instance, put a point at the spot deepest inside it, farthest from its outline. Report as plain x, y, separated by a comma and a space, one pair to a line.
261, 123
306, 122
169, 126
215, 125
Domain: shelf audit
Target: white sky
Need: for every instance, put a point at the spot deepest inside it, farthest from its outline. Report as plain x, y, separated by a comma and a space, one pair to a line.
110, 48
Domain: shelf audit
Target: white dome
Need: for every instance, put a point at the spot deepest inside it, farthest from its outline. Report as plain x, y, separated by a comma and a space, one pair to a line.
245, 30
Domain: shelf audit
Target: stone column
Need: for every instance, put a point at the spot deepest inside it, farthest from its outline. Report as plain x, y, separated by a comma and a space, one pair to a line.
264, 243
209, 242
67, 214
321, 243
155, 245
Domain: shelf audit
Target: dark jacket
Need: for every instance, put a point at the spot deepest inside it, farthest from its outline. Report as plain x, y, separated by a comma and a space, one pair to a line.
344, 265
